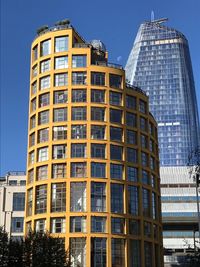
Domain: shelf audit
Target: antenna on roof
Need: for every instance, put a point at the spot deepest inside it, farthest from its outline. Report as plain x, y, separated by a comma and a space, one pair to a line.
152, 16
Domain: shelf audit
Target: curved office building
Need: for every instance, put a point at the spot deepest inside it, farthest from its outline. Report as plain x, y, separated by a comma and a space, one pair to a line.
93, 174
160, 64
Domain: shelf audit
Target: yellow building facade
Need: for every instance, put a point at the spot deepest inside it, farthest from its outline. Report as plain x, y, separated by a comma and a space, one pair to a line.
93, 171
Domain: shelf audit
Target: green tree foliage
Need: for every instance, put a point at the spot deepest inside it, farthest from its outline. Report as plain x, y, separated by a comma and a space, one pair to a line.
35, 250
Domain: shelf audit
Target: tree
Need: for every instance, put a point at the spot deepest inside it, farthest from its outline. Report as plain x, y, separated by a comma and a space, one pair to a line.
4, 250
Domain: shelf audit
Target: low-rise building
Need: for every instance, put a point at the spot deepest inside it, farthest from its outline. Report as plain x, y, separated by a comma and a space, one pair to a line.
12, 203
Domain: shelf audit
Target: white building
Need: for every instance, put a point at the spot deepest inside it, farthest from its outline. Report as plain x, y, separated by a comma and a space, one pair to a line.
179, 211
12, 203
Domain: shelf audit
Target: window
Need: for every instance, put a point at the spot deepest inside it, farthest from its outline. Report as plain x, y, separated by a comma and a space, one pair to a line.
142, 106
45, 83
43, 117
43, 135
116, 171
79, 113
98, 252
32, 139
117, 225
59, 171
61, 62
116, 134
118, 252
115, 98
59, 114
42, 173
45, 48
78, 197
59, 151
61, 79
41, 199
79, 77
78, 251
79, 95
60, 97
131, 102
18, 201
143, 124
40, 225
58, 197
45, 66
33, 105
98, 169
13, 182
34, 71
152, 163
154, 205
30, 202
134, 227
44, 100
78, 150
148, 254
97, 96
98, 197
35, 53
116, 152
30, 176
151, 129
135, 256
131, 137
132, 155
133, 200
131, 119
58, 225
78, 224
31, 157
145, 177
17, 224
98, 151
43, 154
115, 80
98, 78
97, 114
117, 198
79, 61
78, 131
152, 146
61, 44
144, 159
144, 141
146, 202
22, 182
59, 132
97, 132
98, 224
115, 116
32, 122
78, 169
147, 229
34, 88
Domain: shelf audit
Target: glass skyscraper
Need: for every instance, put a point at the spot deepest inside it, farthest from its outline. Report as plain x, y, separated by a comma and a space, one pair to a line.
160, 64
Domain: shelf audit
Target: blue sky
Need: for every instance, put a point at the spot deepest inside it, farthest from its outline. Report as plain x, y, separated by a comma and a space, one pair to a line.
114, 22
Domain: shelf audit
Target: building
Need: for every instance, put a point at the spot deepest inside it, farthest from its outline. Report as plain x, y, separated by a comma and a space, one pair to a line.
93, 174
12, 203
160, 64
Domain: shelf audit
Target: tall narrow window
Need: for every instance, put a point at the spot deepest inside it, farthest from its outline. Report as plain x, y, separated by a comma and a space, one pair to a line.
45, 83
98, 197
116, 152
116, 171
43, 117
42, 173
116, 134
98, 252
59, 151
98, 224
41, 199
146, 202
117, 225
30, 202
133, 200
115, 80
131, 102
78, 196
58, 225
44, 100
43, 154
78, 252
45, 65
115, 98
118, 252
115, 116
131, 119
117, 198
43, 135
45, 48
58, 197
132, 155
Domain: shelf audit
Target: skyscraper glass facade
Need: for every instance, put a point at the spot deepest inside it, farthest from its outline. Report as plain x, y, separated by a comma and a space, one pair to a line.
160, 64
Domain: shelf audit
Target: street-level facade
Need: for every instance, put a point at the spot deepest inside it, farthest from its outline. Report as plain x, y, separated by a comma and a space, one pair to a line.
93, 171
12, 203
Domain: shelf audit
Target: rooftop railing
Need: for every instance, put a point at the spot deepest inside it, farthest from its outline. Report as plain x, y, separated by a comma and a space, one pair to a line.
16, 173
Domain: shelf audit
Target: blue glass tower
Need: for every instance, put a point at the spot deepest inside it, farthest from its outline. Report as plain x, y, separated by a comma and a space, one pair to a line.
160, 64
